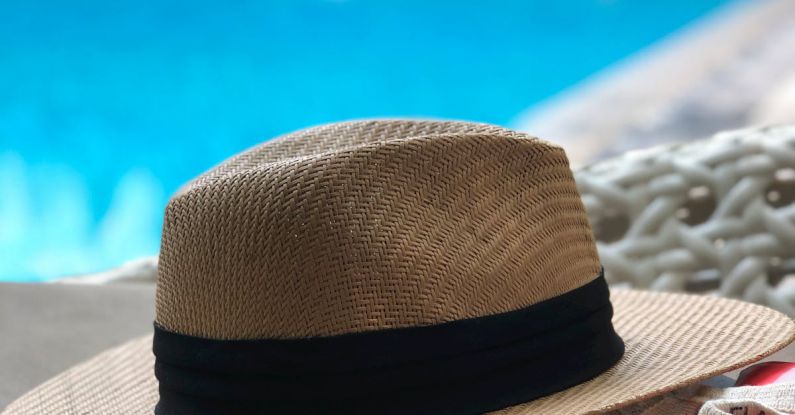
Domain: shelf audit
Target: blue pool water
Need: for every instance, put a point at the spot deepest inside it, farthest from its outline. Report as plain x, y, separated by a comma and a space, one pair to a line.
106, 107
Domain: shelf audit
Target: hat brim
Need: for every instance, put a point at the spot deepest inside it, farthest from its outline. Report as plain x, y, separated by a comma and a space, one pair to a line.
672, 340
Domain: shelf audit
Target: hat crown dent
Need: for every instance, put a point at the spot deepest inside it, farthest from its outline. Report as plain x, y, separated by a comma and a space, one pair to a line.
372, 225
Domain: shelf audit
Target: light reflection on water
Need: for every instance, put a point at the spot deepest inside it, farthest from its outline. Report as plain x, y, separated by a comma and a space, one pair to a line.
108, 107
47, 234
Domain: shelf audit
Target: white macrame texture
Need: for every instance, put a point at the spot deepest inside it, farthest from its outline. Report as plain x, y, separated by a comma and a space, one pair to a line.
775, 399
713, 216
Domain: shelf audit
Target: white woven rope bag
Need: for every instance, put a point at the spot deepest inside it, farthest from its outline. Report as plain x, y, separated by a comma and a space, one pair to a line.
712, 216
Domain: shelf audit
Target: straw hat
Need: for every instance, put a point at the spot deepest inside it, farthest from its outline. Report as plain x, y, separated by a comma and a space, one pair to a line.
400, 267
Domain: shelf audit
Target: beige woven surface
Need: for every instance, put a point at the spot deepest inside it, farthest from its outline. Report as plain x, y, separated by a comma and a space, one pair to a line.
371, 225
119, 381
672, 340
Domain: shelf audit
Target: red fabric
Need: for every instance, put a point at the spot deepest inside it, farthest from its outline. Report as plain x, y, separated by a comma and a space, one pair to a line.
767, 373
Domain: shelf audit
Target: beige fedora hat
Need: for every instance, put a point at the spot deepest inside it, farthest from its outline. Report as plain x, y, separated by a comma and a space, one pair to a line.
400, 267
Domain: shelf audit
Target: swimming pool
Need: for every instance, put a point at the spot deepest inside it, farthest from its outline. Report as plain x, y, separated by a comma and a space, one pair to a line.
107, 107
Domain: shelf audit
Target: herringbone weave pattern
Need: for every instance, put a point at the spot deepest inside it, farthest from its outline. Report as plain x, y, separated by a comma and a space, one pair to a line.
372, 225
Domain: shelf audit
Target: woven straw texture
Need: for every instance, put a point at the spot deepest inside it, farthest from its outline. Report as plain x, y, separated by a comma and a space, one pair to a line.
371, 225
383, 224
119, 381
672, 340
710, 216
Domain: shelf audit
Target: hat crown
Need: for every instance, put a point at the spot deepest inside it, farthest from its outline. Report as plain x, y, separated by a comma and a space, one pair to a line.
372, 225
